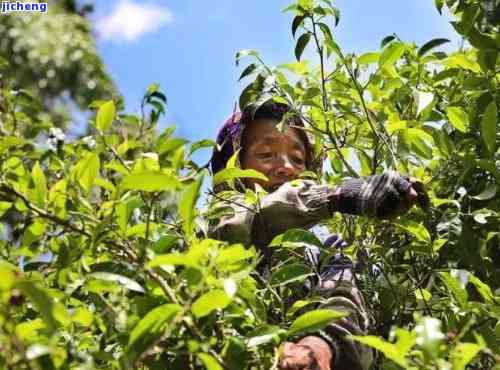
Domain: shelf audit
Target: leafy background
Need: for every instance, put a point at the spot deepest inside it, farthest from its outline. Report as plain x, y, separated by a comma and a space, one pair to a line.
129, 279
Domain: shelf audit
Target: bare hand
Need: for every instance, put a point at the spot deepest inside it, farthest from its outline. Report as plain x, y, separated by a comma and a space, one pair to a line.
310, 353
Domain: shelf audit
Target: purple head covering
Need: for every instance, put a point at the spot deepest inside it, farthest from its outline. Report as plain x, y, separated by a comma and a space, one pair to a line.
227, 138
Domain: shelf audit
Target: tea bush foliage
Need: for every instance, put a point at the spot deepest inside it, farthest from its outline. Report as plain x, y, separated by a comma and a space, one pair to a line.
105, 260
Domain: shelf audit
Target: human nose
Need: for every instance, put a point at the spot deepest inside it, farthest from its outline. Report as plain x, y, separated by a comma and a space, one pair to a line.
285, 167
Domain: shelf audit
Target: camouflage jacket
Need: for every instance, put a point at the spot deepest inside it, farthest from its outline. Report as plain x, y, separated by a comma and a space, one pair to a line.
303, 204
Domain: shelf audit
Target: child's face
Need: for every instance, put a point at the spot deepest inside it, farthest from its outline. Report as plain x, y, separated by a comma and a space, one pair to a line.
281, 156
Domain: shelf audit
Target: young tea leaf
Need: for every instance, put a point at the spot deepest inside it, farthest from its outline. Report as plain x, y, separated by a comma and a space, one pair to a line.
119, 279
297, 21
313, 321
87, 170
187, 204
434, 43
489, 124
389, 350
208, 302
251, 68
463, 353
229, 174
148, 331
458, 118
391, 54
301, 45
150, 181
40, 183
105, 116
209, 362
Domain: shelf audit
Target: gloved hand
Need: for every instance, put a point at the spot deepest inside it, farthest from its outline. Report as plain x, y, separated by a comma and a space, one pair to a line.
383, 196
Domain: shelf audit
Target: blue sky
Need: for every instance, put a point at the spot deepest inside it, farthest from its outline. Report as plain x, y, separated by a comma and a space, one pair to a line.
189, 46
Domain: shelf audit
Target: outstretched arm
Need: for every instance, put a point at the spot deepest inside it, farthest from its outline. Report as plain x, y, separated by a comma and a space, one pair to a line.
301, 204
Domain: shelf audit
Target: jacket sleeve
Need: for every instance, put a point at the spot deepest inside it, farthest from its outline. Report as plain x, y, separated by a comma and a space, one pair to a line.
343, 295
297, 204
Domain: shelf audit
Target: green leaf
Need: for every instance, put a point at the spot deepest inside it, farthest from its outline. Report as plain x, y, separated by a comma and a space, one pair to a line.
170, 145
463, 353
458, 118
123, 211
43, 303
83, 317
296, 238
231, 257
149, 330
419, 141
387, 40
389, 350
4, 207
87, 170
209, 361
327, 33
391, 54
301, 45
481, 40
434, 43
313, 321
487, 59
28, 330
105, 116
40, 183
299, 68
289, 273
417, 230
9, 142
439, 5
368, 58
251, 68
176, 259
119, 279
8, 275
489, 124
488, 193
251, 93
208, 302
150, 181
201, 144
297, 21
483, 289
229, 174
263, 335
243, 53
187, 204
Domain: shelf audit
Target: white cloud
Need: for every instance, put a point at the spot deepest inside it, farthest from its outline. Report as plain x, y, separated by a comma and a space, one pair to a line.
130, 21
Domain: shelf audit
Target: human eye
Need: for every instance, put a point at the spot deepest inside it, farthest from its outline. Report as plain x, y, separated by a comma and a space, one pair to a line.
298, 160
265, 155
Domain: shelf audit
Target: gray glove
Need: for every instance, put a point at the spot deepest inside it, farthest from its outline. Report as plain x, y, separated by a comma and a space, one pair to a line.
375, 196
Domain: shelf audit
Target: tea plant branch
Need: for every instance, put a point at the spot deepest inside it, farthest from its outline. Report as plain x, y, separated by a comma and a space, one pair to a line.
320, 50
418, 284
115, 153
360, 92
42, 213
336, 147
325, 100
120, 247
230, 201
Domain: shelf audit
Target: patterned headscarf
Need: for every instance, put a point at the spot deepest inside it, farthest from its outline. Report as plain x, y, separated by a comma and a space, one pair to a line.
228, 142
230, 136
